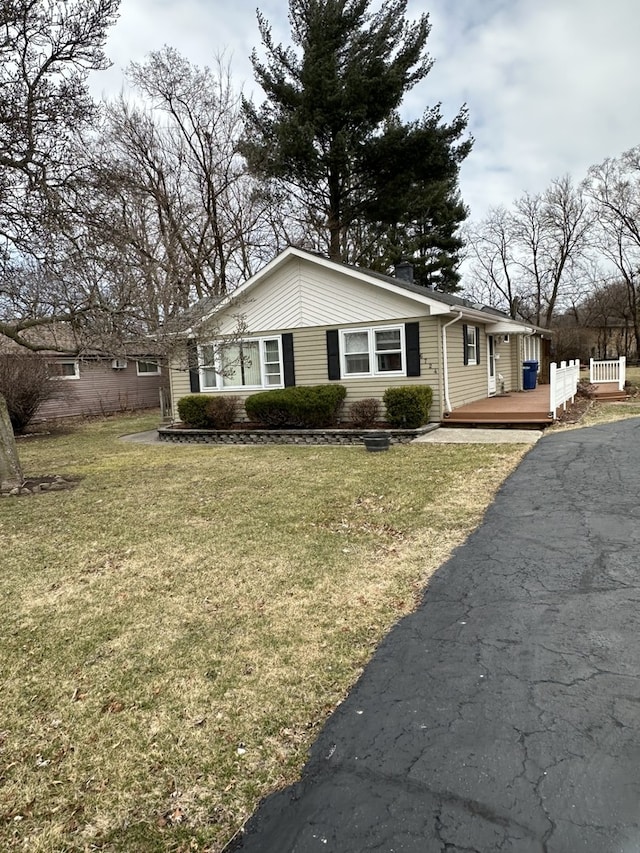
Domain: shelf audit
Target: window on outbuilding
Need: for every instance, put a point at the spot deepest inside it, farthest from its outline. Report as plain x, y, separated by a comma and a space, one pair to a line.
147, 368
64, 369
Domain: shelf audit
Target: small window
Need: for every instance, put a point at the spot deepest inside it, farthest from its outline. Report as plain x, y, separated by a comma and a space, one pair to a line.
356, 352
207, 367
271, 360
68, 369
471, 343
388, 351
147, 368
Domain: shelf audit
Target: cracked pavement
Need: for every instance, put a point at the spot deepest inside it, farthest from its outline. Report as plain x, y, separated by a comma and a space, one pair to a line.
504, 714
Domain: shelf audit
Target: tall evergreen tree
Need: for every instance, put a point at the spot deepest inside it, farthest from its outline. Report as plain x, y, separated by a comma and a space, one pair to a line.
415, 210
329, 131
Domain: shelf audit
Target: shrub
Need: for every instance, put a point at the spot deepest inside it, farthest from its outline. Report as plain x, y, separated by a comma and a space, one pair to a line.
307, 407
201, 411
585, 389
25, 383
223, 412
363, 414
193, 410
408, 406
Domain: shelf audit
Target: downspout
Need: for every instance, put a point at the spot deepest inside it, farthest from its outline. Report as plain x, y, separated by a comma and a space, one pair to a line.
445, 366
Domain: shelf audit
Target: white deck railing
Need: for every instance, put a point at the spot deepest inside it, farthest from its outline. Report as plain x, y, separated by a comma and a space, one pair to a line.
563, 384
608, 371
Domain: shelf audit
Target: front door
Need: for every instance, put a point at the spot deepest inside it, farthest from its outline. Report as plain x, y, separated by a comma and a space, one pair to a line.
491, 363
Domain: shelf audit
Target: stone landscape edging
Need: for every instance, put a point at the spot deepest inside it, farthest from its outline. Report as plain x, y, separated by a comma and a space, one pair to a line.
287, 436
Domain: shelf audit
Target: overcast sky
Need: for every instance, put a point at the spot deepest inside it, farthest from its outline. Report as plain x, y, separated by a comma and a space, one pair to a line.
551, 85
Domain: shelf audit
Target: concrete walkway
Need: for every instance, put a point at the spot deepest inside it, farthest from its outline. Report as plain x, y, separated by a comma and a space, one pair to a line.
504, 715
148, 437
479, 435
459, 435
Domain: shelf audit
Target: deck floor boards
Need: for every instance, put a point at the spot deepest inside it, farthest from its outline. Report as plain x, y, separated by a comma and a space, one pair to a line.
518, 407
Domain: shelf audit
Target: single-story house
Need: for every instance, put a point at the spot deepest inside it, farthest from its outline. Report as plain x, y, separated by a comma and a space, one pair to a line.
96, 385
93, 383
307, 320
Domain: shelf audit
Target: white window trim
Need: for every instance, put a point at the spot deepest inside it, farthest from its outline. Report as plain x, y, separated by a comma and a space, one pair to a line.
472, 361
217, 365
373, 362
155, 372
76, 369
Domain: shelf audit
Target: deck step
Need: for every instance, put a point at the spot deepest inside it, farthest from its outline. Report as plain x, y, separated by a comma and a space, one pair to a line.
496, 418
611, 396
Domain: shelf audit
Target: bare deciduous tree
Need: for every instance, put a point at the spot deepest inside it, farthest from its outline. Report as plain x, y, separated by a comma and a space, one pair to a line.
614, 187
528, 258
47, 49
174, 209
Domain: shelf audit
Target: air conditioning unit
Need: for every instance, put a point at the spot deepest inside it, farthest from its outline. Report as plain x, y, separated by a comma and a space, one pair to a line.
119, 363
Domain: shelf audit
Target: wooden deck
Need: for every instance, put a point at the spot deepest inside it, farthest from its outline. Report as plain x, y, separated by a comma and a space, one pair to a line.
518, 408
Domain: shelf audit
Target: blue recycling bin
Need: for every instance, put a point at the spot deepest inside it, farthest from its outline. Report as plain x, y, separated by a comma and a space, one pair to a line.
529, 374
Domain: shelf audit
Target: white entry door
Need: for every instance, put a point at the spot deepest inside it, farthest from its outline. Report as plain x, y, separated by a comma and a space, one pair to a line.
491, 363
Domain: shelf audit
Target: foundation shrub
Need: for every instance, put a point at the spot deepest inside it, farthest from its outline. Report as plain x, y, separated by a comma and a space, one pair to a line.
408, 407
193, 410
223, 412
312, 407
364, 414
200, 411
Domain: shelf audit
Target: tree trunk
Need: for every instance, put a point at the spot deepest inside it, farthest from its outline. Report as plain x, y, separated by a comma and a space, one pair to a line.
10, 470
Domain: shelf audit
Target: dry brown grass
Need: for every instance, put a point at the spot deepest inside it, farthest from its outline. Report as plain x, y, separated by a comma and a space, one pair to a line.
175, 629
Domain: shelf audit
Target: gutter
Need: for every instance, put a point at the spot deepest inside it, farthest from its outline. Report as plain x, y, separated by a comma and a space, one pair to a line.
444, 361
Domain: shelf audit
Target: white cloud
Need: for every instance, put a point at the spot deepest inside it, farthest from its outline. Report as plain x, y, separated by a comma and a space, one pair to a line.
550, 85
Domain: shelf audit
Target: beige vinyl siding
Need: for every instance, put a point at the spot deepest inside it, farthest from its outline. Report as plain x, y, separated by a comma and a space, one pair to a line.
179, 379
504, 361
101, 390
310, 350
467, 382
310, 358
516, 362
304, 295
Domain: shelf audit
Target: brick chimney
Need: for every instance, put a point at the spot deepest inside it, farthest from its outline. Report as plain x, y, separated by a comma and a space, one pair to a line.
404, 271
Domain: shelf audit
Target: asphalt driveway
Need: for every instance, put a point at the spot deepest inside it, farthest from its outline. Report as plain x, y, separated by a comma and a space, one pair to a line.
504, 715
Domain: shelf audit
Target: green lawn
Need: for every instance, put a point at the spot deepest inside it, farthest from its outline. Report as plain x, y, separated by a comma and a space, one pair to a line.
175, 629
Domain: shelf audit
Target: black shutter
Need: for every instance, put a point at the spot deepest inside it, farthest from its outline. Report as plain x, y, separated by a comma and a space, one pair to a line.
333, 354
477, 345
465, 348
287, 360
412, 346
192, 361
